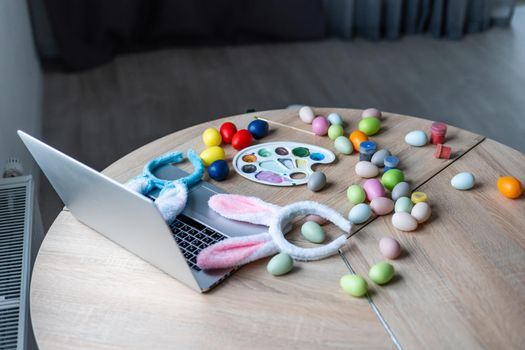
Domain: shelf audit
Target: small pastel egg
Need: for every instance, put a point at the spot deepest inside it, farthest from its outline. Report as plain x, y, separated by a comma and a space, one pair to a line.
369, 126
211, 154
418, 197
421, 212
320, 125
371, 113
359, 213
280, 264
381, 273
343, 145
317, 181
306, 114
334, 131
378, 159
510, 187
403, 205
354, 285
402, 189
389, 247
391, 178
382, 205
242, 139
258, 128
404, 221
463, 181
366, 169
218, 170
355, 194
211, 137
416, 138
335, 118
373, 189
227, 131
316, 218
313, 232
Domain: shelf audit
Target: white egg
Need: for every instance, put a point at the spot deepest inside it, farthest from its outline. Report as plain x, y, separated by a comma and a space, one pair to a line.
366, 169
306, 114
421, 212
404, 221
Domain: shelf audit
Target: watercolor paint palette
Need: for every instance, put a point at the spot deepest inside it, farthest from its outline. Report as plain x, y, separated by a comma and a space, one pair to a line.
280, 163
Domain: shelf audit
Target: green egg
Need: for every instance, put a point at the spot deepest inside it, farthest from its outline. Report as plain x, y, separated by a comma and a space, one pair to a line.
342, 144
280, 264
334, 131
370, 126
403, 204
312, 232
356, 194
392, 177
381, 273
354, 285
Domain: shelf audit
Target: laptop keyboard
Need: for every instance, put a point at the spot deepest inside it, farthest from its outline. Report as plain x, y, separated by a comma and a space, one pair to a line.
192, 237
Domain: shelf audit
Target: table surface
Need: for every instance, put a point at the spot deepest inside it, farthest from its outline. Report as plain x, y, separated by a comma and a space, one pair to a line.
459, 284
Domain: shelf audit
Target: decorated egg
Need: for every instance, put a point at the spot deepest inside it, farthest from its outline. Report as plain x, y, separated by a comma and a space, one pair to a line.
355, 194
356, 137
306, 114
211, 154
371, 113
416, 138
242, 139
391, 178
403, 204
280, 264
320, 125
421, 212
334, 131
354, 285
366, 169
218, 170
404, 221
510, 187
359, 213
335, 118
369, 126
463, 181
313, 232
258, 128
402, 189
382, 205
381, 273
373, 189
211, 137
227, 131
378, 158
389, 247
317, 181
343, 145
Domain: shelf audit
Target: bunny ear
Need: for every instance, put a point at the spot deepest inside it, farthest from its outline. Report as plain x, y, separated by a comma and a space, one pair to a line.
242, 208
236, 251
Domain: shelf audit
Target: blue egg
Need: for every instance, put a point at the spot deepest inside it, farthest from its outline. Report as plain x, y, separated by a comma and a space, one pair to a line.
258, 128
335, 118
359, 213
463, 181
218, 170
416, 138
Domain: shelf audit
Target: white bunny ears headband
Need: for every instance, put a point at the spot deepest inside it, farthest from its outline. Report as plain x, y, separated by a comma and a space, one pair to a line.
237, 251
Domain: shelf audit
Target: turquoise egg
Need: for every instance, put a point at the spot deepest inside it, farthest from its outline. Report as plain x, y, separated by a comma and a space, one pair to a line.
342, 144
416, 138
359, 213
313, 232
403, 204
335, 119
463, 181
280, 264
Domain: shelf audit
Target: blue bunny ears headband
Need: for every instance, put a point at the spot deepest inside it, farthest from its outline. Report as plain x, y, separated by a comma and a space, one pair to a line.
173, 194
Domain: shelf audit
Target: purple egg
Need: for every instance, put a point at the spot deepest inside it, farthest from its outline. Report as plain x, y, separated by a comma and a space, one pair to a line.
320, 125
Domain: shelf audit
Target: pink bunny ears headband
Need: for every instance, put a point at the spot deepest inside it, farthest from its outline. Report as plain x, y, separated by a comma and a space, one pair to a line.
237, 251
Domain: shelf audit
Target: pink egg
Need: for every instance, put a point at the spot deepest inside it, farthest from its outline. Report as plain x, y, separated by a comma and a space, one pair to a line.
373, 189
320, 125
382, 205
317, 219
389, 247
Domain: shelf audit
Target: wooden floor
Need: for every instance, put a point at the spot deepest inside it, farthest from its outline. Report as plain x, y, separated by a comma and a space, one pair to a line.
100, 115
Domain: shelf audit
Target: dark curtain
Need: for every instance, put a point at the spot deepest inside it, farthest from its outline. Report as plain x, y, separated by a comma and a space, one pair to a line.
91, 32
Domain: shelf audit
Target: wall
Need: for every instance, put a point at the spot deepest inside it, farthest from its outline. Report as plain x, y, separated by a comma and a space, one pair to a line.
20, 83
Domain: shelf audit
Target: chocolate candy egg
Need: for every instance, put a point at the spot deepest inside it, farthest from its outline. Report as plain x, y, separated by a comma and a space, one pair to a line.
381, 273
369, 126
317, 181
355, 194
391, 178
373, 189
463, 181
382, 205
371, 113
258, 128
402, 189
354, 285
421, 212
218, 170
403, 204
404, 221
280, 264
366, 169
335, 118
334, 131
313, 232
211, 154
359, 213
242, 139
416, 138
320, 125
389, 247
306, 114
378, 158
343, 145
227, 131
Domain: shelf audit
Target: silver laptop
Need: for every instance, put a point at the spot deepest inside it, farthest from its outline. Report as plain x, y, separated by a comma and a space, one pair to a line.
133, 221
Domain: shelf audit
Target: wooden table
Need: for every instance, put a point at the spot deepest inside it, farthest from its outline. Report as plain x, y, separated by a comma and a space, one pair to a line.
460, 283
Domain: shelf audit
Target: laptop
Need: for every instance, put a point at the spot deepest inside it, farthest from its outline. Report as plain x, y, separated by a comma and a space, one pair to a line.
132, 220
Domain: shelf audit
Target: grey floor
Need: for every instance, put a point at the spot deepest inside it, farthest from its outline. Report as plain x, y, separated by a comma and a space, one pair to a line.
98, 116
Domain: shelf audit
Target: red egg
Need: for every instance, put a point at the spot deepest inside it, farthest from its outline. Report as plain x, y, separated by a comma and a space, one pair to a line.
241, 139
227, 131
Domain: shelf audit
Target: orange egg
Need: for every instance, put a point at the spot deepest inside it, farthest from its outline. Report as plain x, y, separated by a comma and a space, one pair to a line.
356, 137
510, 187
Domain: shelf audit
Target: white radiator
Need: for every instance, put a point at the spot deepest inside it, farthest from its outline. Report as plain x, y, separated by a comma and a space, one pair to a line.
16, 213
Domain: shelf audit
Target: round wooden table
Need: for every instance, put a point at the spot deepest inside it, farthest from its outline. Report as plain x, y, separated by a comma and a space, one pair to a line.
460, 283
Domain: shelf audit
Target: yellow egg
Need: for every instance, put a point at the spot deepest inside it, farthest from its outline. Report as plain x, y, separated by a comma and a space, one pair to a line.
211, 154
211, 137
